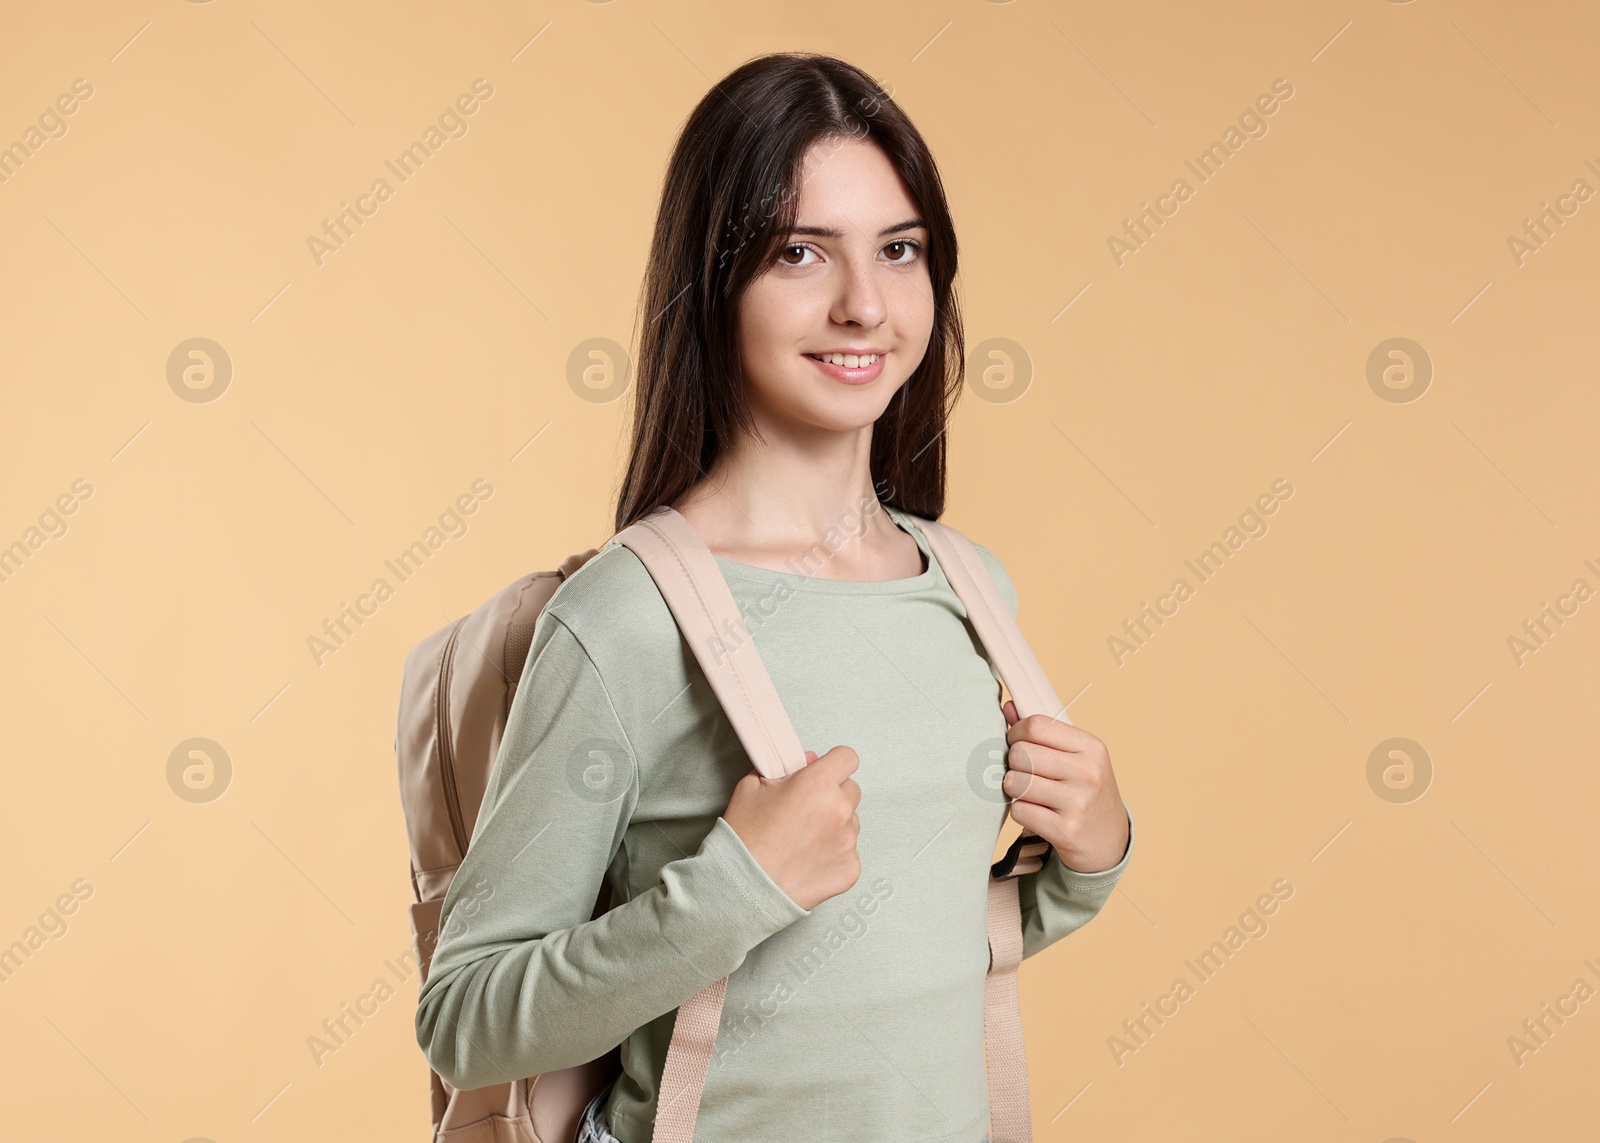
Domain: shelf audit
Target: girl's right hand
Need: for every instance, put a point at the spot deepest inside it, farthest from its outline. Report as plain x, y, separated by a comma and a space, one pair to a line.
802, 828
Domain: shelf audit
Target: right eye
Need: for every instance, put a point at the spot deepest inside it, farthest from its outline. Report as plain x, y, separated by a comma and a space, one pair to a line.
798, 247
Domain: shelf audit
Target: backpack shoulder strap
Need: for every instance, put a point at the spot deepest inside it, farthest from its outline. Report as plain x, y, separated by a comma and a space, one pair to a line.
996, 626
687, 575
1009, 1109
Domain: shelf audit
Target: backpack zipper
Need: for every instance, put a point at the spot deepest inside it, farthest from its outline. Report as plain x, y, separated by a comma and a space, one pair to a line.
447, 765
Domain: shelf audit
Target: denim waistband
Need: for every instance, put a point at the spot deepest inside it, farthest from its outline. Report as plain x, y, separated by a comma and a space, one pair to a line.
592, 1127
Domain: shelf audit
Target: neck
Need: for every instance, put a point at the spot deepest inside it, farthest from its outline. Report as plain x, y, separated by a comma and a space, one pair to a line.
786, 494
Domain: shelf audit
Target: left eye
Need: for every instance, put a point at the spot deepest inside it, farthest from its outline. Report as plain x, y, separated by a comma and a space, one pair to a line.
905, 244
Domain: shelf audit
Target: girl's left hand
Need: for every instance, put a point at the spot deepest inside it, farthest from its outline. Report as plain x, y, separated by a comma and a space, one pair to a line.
1059, 777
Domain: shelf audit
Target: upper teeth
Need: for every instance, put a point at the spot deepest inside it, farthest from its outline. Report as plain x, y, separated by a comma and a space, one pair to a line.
848, 360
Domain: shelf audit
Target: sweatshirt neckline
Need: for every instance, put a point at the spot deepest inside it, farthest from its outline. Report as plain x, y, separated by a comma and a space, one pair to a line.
799, 581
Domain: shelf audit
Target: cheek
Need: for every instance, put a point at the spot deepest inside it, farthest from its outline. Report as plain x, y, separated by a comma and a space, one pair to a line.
762, 354
776, 320
912, 309
765, 317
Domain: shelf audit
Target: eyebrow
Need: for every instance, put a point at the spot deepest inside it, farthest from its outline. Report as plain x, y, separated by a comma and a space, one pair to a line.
829, 232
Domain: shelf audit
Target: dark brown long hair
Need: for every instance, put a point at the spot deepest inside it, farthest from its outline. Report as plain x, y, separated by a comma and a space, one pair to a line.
728, 202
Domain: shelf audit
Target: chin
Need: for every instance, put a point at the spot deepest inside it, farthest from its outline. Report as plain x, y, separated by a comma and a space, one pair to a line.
847, 412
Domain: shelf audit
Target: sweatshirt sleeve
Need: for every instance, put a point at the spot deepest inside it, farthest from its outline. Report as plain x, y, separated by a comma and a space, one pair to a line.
522, 981
1056, 900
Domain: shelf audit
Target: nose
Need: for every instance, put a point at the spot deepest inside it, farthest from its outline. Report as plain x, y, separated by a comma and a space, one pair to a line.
860, 299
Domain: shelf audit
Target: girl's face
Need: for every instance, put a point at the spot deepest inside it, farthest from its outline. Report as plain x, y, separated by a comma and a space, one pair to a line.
852, 278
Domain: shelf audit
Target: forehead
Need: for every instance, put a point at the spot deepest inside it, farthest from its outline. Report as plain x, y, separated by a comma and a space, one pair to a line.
850, 184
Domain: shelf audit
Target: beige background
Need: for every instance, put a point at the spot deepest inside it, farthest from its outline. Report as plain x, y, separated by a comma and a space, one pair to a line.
211, 940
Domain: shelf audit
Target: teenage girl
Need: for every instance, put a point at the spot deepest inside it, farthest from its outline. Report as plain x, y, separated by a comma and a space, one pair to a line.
800, 353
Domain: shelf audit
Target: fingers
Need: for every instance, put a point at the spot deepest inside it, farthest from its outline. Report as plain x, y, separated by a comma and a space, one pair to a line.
1052, 732
751, 782
1048, 793
1031, 758
843, 760
1033, 817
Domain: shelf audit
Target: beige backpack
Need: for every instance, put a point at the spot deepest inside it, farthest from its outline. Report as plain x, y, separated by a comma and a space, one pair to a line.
456, 692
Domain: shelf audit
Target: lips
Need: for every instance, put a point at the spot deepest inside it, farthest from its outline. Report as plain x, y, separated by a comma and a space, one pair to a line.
850, 375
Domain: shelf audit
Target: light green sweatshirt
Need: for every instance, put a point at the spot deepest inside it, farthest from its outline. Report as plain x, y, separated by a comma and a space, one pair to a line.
859, 1019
